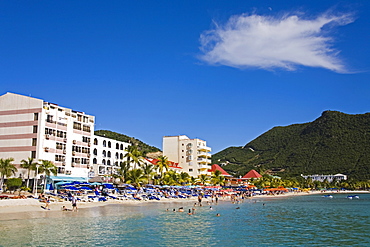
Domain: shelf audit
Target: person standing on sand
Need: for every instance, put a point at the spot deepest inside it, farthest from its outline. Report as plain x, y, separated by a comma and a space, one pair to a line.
74, 203
47, 203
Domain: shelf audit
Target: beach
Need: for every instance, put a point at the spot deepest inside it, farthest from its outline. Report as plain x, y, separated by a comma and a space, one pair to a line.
10, 208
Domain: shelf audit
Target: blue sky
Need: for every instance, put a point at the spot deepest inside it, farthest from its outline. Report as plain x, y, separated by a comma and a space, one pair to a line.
222, 71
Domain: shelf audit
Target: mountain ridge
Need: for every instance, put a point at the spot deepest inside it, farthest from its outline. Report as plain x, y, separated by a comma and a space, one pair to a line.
335, 142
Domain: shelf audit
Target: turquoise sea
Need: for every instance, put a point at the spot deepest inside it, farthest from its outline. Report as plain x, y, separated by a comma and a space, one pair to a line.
285, 221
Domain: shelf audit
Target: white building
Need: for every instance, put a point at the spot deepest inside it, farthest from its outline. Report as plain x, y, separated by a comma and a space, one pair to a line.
191, 154
107, 155
329, 178
31, 127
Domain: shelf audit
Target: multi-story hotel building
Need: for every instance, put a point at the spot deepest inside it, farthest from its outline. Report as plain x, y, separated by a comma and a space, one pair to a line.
31, 127
107, 155
191, 154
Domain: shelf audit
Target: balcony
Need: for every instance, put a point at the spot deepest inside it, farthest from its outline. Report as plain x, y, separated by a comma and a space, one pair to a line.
204, 161
204, 148
203, 167
204, 155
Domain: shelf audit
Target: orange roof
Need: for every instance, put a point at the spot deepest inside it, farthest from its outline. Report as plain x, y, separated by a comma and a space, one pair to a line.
252, 174
216, 167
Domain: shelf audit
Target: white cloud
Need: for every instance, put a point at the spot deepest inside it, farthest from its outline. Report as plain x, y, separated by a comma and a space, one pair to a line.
268, 42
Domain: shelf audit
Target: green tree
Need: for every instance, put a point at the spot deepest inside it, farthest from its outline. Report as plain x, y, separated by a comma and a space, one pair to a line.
148, 170
6, 169
124, 168
163, 163
217, 178
136, 177
184, 178
203, 178
47, 167
13, 183
193, 180
171, 178
133, 155
28, 164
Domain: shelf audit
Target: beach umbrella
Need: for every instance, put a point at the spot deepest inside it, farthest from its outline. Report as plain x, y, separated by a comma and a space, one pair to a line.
95, 183
71, 188
85, 188
109, 186
62, 183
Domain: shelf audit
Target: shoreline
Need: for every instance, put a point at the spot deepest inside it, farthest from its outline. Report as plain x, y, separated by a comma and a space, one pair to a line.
31, 208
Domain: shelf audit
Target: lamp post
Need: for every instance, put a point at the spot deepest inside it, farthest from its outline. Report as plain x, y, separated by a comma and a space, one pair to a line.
35, 181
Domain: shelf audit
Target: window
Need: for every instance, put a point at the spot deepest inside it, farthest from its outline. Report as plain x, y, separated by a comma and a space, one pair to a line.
103, 162
34, 141
116, 155
109, 155
85, 139
76, 126
104, 143
121, 147
95, 141
60, 158
95, 151
33, 154
121, 156
109, 144
104, 153
35, 129
108, 162
35, 116
190, 170
49, 118
95, 161
61, 170
117, 146
86, 128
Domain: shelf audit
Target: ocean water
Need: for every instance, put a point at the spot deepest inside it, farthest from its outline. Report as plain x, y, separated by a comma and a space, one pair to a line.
291, 221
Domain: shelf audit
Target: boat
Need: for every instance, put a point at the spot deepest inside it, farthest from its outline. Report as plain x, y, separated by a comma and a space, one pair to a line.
353, 197
327, 196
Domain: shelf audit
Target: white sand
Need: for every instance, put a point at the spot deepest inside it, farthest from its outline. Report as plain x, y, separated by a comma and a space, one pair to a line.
11, 206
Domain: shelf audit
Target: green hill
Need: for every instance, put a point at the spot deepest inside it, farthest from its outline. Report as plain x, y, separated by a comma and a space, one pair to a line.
333, 143
143, 147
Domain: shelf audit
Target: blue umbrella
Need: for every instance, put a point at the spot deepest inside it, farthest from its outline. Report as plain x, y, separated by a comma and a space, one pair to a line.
71, 188
85, 188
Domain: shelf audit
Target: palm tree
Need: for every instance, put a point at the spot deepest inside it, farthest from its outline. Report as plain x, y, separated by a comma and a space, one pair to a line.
148, 170
29, 165
136, 177
171, 178
6, 169
218, 178
193, 180
163, 163
124, 168
203, 179
47, 167
184, 178
133, 155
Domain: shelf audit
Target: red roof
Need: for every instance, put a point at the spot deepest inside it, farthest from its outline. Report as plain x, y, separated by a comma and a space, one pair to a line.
252, 174
217, 167
172, 164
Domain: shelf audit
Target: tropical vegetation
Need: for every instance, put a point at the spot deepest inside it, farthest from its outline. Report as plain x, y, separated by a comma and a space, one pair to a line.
7, 169
333, 143
47, 167
29, 165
